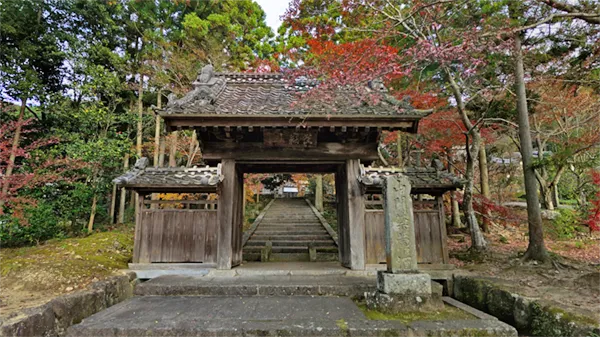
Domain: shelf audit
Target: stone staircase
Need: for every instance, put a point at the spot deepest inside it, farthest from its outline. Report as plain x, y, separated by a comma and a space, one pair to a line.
291, 227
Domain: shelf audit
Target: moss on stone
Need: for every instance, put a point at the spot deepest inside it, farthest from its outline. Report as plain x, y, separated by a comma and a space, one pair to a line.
448, 313
342, 324
552, 321
68, 261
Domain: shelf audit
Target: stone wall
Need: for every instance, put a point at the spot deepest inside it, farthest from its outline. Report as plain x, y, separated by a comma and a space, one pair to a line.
53, 318
529, 316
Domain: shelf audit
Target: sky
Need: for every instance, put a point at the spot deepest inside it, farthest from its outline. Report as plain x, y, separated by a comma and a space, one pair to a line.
274, 9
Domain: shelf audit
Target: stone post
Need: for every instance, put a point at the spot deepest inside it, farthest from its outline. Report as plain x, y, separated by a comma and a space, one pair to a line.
401, 287
400, 246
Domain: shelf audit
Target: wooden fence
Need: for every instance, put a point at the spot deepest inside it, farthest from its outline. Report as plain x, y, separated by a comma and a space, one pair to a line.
176, 235
430, 233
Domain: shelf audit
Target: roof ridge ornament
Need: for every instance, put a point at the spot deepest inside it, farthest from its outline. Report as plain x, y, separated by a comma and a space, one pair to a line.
207, 88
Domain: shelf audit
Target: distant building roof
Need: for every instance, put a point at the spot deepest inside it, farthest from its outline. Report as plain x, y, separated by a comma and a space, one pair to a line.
271, 94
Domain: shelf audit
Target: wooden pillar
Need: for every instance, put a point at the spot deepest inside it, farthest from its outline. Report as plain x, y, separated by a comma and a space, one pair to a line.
225, 217
137, 237
319, 192
356, 215
442, 218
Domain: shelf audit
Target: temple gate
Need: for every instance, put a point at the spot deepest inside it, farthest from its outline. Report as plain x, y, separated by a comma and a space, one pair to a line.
257, 123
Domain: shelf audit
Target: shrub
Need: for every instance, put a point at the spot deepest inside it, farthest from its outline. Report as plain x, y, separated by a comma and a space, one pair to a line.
566, 225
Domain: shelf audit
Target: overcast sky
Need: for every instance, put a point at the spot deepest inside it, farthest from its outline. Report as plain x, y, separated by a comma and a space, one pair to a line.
274, 9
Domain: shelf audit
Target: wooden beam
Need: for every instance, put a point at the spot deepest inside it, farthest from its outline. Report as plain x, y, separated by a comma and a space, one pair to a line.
257, 151
398, 122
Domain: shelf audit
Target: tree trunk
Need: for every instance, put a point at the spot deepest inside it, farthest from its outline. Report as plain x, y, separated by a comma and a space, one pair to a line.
113, 203
192, 149
319, 193
157, 142
5, 181
161, 152
485, 184
138, 145
123, 191
454, 201
173, 150
536, 249
90, 226
157, 131
478, 242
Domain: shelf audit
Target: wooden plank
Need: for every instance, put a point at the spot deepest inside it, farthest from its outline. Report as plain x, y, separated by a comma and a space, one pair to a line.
342, 216
356, 215
258, 151
403, 122
374, 236
210, 239
442, 228
286, 138
225, 214
137, 236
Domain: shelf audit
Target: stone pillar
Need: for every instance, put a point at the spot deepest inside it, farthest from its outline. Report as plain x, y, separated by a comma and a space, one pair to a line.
401, 287
400, 246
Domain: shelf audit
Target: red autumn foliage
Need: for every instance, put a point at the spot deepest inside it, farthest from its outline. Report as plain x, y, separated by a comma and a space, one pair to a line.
593, 220
36, 173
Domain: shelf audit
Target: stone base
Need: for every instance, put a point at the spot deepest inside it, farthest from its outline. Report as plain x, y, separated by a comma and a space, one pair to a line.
403, 283
395, 303
403, 292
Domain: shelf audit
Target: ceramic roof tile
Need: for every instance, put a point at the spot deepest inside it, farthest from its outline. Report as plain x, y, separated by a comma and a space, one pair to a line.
421, 178
272, 94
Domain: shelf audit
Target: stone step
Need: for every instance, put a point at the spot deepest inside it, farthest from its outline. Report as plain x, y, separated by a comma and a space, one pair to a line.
292, 257
303, 243
291, 232
275, 227
292, 249
291, 237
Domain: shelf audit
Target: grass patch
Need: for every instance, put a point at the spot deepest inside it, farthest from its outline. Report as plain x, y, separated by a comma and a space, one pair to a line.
67, 261
448, 313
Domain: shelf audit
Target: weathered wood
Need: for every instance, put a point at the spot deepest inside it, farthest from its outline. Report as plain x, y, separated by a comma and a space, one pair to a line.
176, 235
374, 237
226, 214
356, 216
290, 138
430, 236
396, 122
442, 229
258, 151
341, 194
238, 220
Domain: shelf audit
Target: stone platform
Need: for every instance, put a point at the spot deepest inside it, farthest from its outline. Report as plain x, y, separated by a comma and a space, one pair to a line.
256, 285
263, 316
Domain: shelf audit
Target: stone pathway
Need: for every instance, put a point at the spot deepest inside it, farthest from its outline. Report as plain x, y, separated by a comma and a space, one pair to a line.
291, 226
264, 316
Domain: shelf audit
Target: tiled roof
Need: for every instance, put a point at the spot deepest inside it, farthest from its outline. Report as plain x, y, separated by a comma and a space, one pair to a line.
422, 179
184, 177
272, 94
